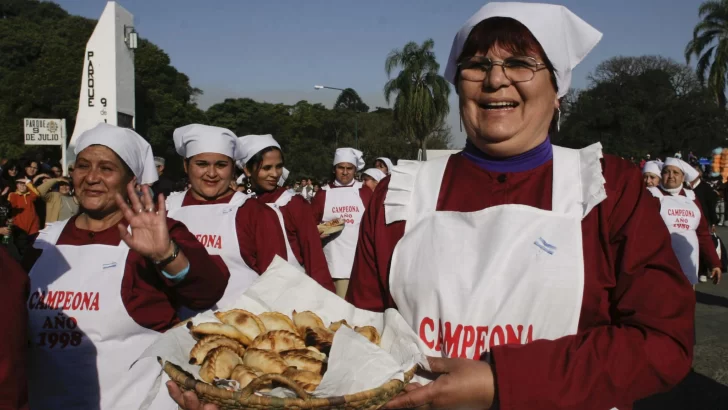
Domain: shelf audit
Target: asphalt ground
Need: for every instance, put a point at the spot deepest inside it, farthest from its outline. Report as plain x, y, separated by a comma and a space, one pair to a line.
706, 387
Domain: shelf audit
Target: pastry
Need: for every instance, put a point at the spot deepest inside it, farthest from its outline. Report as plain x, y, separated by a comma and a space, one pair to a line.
320, 338
211, 328
207, 343
219, 363
309, 351
305, 320
278, 341
336, 325
247, 323
303, 362
264, 361
307, 380
244, 375
370, 332
277, 321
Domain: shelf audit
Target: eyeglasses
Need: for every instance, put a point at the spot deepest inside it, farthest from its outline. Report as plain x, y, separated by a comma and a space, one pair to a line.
516, 69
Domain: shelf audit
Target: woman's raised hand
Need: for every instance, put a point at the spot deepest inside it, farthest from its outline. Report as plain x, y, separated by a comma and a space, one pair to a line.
149, 234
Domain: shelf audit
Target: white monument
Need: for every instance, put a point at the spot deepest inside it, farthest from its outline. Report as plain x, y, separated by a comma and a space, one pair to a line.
107, 87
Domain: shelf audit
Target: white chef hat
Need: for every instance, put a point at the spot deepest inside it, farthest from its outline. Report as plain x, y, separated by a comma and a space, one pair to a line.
388, 162
350, 155
194, 139
565, 37
652, 167
253, 144
691, 174
134, 150
284, 177
377, 174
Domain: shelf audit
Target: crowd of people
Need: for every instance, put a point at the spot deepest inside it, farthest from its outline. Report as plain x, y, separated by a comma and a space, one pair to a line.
516, 262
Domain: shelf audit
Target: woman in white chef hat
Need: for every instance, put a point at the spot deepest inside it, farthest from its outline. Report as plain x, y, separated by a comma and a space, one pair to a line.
244, 234
106, 281
262, 164
344, 199
384, 164
540, 261
685, 219
651, 173
371, 177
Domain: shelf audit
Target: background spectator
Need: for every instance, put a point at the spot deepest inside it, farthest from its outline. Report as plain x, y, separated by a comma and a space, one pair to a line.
61, 204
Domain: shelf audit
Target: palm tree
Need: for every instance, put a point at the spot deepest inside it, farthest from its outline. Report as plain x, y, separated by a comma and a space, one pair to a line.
421, 93
710, 42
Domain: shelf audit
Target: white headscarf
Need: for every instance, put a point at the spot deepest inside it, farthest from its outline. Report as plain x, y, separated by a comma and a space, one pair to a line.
134, 150
388, 162
691, 174
350, 155
652, 167
284, 177
253, 144
194, 139
565, 37
377, 174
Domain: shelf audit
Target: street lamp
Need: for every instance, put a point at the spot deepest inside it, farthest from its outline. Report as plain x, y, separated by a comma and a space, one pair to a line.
356, 113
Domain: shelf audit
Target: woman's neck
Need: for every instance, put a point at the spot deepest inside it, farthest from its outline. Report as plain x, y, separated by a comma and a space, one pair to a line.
526, 161
204, 198
673, 191
98, 222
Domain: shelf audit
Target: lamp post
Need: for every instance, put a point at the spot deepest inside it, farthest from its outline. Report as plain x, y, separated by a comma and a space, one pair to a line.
356, 114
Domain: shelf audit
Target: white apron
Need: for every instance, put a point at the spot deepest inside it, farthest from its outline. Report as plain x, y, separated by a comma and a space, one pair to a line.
82, 340
276, 206
357, 184
682, 217
467, 281
214, 226
345, 204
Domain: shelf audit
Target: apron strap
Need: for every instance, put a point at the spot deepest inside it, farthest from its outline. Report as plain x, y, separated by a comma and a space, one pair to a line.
578, 182
414, 187
174, 200
656, 192
49, 235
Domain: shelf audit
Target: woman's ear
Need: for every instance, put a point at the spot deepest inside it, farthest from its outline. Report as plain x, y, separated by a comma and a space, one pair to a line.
184, 164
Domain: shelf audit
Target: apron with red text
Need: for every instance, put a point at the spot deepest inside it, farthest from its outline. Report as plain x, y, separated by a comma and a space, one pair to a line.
214, 226
82, 339
344, 204
682, 217
276, 206
466, 281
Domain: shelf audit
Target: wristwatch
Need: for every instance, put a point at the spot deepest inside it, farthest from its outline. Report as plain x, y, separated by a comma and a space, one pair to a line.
166, 261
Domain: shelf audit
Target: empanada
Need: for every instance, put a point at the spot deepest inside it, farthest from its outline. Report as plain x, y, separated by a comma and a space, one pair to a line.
307, 380
247, 323
278, 341
370, 332
244, 375
211, 328
207, 343
336, 325
219, 363
264, 361
320, 338
305, 320
303, 362
309, 351
277, 321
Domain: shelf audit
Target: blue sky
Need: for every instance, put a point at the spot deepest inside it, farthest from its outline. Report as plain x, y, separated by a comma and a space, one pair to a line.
277, 50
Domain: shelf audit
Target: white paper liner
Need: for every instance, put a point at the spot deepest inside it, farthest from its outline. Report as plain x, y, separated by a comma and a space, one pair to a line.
354, 364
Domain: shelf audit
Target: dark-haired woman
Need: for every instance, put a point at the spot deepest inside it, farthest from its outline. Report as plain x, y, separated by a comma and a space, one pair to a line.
243, 233
106, 282
533, 274
262, 164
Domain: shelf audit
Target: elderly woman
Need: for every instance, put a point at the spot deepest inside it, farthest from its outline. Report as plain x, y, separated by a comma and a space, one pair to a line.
245, 240
262, 164
104, 283
651, 173
685, 220
538, 260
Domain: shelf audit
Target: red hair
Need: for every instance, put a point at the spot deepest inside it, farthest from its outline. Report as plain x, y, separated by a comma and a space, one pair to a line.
509, 35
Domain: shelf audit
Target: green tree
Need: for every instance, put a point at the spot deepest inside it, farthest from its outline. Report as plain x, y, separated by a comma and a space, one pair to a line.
710, 46
349, 100
421, 100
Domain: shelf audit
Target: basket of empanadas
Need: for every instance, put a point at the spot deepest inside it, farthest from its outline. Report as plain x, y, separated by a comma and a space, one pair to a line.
331, 227
289, 343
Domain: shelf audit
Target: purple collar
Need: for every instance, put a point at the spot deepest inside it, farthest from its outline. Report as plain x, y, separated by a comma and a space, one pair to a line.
519, 163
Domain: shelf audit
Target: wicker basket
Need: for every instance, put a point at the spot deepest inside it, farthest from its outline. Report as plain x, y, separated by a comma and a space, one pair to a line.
246, 399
